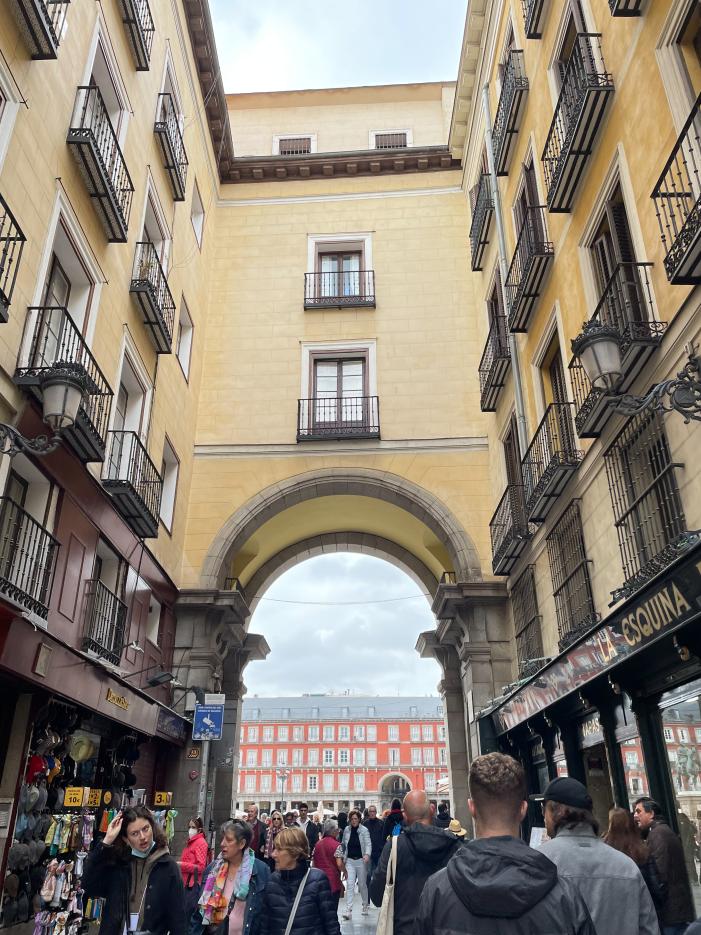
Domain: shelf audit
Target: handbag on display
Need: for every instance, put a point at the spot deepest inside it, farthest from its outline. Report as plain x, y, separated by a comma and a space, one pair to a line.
385, 920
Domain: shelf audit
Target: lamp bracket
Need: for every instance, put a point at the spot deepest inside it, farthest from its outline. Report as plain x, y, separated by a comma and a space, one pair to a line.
13, 442
681, 394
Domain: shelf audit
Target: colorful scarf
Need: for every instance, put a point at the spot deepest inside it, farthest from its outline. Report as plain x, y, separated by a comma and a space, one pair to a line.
213, 904
270, 841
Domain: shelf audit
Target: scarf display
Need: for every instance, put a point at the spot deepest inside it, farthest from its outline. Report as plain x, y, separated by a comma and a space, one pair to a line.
213, 904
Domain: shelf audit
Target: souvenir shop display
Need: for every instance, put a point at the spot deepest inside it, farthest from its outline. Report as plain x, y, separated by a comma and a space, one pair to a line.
74, 783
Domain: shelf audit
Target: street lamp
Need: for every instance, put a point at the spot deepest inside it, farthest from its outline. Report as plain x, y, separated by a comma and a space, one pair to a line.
598, 347
62, 390
282, 775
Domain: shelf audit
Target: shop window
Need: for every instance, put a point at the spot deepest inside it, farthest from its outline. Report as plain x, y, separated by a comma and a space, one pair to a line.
527, 622
197, 214
569, 568
183, 339
170, 466
647, 508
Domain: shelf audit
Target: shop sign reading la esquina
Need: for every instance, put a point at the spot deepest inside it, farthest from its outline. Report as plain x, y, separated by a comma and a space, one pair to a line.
662, 608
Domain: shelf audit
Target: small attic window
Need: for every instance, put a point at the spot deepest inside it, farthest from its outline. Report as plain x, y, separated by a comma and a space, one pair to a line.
394, 140
294, 145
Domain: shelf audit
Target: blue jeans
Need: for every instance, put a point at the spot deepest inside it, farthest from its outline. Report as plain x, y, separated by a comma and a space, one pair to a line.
677, 929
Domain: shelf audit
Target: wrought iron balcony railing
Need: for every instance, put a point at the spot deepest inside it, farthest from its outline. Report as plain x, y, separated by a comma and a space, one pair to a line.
529, 648
12, 242
626, 305
509, 530
170, 136
677, 197
27, 559
512, 101
549, 461
349, 288
41, 23
149, 287
534, 15
586, 90
133, 481
482, 206
495, 363
529, 264
97, 152
625, 7
338, 418
55, 343
105, 622
138, 22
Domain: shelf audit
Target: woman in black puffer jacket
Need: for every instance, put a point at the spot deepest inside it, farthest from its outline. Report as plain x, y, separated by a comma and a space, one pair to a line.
316, 913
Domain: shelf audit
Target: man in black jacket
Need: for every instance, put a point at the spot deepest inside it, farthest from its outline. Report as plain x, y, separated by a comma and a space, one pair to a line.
374, 826
421, 850
497, 882
308, 826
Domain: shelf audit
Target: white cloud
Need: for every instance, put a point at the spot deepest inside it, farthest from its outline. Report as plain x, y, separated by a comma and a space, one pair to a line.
362, 647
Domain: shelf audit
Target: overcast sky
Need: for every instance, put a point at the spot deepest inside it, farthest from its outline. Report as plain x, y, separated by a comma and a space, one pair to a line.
366, 648
278, 45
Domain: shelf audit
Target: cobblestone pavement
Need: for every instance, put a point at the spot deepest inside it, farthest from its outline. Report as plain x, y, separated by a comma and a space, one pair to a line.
360, 924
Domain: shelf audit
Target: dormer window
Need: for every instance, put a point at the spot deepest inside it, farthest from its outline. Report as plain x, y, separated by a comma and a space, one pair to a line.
390, 139
301, 145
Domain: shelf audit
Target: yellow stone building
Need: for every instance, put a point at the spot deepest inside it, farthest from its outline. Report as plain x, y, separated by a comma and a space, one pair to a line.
342, 319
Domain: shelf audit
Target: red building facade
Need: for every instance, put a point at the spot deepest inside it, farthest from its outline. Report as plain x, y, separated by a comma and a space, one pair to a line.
343, 751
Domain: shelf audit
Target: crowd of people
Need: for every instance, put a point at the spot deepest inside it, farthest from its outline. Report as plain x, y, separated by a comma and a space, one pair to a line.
288, 873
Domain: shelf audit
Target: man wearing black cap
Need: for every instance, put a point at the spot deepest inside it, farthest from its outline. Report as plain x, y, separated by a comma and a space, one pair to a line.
610, 882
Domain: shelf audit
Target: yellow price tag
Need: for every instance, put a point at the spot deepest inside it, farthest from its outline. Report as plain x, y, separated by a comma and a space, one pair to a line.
163, 798
73, 797
94, 798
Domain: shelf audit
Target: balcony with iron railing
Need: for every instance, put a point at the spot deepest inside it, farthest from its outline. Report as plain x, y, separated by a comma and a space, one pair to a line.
529, 648
340, 289
482, 208
512, 102
626, 305
12, 242
509, 530
55, 344
105, 622
27, 559
586, 91
138, 22
132, 480
677, 197
331, 417
534, 16
99, 157
495, 363
529, 265
149, 287
625, 7
170, 136
41, 23
549, 461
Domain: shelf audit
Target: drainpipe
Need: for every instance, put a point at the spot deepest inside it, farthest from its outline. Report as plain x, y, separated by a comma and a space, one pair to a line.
521, 423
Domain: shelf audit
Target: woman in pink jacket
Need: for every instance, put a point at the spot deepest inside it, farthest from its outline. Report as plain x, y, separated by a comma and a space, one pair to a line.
193, 859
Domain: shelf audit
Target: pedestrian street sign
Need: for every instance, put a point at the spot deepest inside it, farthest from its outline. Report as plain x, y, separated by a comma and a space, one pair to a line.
208, 722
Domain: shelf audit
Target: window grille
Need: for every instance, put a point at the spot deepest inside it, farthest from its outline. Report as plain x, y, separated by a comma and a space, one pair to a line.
647, 508
295, 146
524, 604
569, 569
390, 141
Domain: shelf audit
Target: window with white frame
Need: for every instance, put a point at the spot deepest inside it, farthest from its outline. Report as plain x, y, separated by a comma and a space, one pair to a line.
298, 734
344, 732
372, 733
267, 758
328, 758
298, 757
103, 73
313, 733
359, 782
339, 271
441, 731
442, 756
429, 756
251, 758
393, 732
343, 757
251, 783
372, 756
170, 466
631, 758
265, 783
416, 756
197, 213
679, 57
359, 732
253, 735
343, 782
282, 734
328, 782
359, 756
10, 103
281, 758
430, 782
183, 338
668, 733
683, 734
132, 402
268, 734
427, 733
329, 732
414, 733
297, 782
394, 756
312, 783
313, 757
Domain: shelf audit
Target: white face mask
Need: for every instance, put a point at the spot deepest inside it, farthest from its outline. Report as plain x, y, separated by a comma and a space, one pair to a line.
192, 832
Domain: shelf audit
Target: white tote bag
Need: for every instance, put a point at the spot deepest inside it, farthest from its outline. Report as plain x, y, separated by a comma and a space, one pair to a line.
385, 920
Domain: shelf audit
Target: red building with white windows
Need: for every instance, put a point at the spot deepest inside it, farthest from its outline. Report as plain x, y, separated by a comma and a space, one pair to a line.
341, 750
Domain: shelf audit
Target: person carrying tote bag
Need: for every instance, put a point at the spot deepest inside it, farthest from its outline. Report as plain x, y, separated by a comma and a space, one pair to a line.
385, 920
297, 899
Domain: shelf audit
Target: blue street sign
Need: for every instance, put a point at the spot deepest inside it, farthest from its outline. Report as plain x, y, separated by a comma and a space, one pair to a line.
208, 723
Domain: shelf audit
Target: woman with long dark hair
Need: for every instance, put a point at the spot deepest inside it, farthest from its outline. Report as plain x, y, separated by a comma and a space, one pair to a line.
623, 834
393, 819
135, 874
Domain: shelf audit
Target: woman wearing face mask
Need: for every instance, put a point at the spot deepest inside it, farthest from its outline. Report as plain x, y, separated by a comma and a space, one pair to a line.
135, 874
192, 862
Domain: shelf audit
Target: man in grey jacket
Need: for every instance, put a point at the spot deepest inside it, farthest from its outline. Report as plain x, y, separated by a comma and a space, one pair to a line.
609, 881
